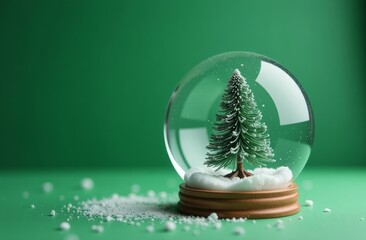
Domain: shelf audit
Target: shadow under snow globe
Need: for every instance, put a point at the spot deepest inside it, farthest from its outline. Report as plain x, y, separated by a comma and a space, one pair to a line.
239, 130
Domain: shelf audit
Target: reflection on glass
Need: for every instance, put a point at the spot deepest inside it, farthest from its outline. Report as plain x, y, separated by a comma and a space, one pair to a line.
193, 105
286, 94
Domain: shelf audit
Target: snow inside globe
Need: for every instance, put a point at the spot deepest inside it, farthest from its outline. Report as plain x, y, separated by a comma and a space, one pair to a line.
239, 121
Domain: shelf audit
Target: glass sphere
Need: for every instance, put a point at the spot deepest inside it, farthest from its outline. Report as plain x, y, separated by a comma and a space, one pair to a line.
195, 102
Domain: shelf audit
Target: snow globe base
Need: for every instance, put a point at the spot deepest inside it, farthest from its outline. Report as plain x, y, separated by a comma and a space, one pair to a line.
248, 204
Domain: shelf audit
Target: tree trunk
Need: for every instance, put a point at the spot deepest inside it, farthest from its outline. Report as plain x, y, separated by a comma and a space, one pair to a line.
240, 171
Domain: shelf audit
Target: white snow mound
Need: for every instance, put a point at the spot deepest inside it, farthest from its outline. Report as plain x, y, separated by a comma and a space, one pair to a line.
262, 179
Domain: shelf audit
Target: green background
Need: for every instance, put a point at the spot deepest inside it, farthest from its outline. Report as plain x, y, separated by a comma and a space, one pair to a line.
86, 83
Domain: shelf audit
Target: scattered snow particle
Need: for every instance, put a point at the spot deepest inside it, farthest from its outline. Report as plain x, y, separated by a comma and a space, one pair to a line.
239, 230
213, 217
241, 65
254, 221
135, 188
33, 206
151, 193
76, 198
187, 228
327, 210
218, 225
309, 203
97, 228
163, 195
109, 218
362, 219
279, 224
300, 218
263, 105
150, 229
52, 213
87, 183
170, 226
115, 196
25, 195
47, 187
64, 226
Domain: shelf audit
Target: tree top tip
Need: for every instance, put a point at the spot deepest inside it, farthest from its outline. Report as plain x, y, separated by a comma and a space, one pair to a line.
236, 71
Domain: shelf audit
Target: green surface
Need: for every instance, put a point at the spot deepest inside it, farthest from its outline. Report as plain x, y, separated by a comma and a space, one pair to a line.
86, 83
341, 190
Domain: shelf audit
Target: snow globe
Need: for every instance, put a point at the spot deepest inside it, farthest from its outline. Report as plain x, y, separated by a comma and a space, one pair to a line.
239, 130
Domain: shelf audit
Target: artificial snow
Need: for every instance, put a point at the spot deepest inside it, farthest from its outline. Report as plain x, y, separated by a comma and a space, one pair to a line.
163, 194
33, 206
87, 183
213, 217
239, 230
327, 210
170, 226
137, 209
130, 208
262, 179
279, 224
150, 229
97, 228
300, 218
64, 226
309, 203
52, 213
218, 225
47, 187
25, 195
151, 193
135, 188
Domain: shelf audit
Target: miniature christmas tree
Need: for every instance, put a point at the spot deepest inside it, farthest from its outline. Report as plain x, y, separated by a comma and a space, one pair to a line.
238, 134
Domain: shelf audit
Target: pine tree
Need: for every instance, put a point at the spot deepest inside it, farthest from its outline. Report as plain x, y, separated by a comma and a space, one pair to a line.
238, 133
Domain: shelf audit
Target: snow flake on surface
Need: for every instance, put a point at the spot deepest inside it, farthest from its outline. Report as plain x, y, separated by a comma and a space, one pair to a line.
52, 213
97, 228
150, 229
327, 210
47, 187
170, 226
239, 230
309, 203
64, 226
87, 183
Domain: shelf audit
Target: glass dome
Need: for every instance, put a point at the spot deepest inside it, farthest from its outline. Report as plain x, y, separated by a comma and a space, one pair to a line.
195, 102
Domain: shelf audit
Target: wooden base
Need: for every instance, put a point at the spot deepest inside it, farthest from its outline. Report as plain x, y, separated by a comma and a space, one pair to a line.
254, 204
